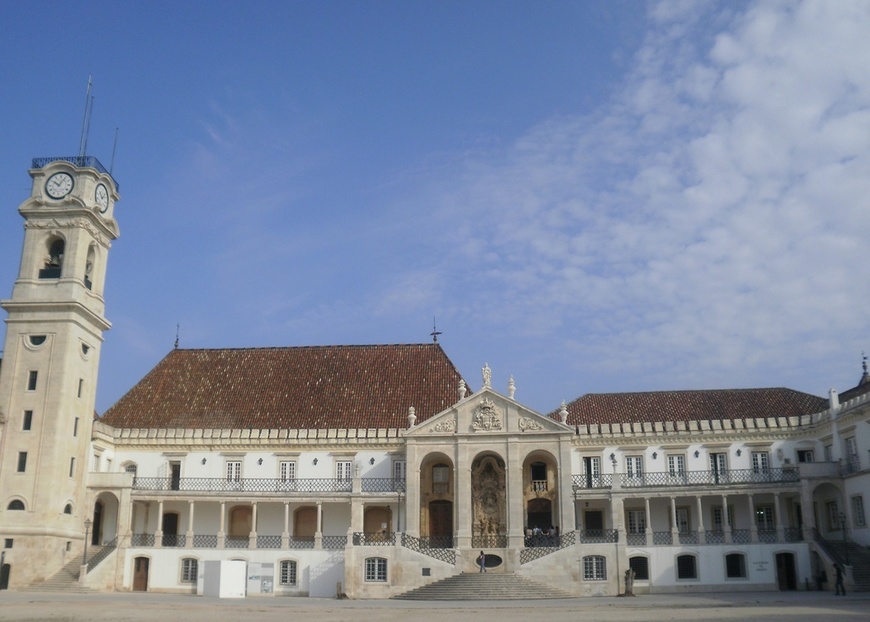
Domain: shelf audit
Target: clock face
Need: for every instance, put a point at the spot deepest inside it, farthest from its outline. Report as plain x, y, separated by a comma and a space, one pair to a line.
59, 185
101, 196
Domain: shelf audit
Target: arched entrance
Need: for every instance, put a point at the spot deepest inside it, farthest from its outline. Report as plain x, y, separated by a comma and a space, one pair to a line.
437, 500
97, 533
540, 513
828, 505
378, 520
241, 521
140, 574
305, 522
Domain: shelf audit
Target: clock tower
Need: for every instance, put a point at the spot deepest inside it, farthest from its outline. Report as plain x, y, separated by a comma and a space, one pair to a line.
48, 373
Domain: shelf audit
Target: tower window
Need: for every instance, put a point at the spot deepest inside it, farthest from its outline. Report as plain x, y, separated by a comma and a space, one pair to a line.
15, 504
28, 420
81, 386
54, 263
67, 509
22, 461
72, 466
76, 427
32, 376
37, 340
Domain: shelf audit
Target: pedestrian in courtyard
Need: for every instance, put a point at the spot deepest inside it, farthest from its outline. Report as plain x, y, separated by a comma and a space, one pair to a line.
481, 561
838, 585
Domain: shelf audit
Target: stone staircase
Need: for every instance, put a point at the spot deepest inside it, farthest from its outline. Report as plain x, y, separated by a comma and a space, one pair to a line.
67, 578
859, 558
484, 586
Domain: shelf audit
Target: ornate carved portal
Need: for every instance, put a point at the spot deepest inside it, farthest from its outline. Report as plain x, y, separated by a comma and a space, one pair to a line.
488, 507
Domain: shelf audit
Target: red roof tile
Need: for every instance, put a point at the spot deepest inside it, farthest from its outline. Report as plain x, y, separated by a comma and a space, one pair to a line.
598, 408
305, 387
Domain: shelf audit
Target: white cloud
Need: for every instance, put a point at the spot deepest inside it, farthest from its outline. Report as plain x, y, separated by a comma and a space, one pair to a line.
712, 217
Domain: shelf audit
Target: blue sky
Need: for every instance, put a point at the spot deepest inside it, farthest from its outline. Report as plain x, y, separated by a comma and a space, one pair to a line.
589, 196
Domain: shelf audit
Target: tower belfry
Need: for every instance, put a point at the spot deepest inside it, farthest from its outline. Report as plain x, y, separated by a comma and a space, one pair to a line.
48, 376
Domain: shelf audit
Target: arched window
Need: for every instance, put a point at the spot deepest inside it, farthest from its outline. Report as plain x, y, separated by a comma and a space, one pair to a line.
131, 467
15, 504
594, 568
376, 569
67, 509
189, 569
54, 261
735, 566
89, 267
440, 479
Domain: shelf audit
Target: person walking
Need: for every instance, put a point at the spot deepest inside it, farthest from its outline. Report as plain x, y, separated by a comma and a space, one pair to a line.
838, 585
481, 561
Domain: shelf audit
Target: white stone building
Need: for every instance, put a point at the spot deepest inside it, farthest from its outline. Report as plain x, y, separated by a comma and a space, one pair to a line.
373, 470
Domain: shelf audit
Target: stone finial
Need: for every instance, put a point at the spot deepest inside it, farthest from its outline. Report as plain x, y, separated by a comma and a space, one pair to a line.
512, 387
563, 412
486, 372
462, 389
412, 416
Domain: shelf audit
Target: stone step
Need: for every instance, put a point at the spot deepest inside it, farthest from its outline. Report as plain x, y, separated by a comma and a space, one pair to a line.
484, 586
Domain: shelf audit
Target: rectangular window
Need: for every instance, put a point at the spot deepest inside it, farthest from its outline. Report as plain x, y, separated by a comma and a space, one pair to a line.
76, 427
8, 542
28, 420
805, 455
234, 470
287, 470
343, 469
376, 569
687, 567
683, 525
760, 462
833, 516
634, 466
81, 387
31, 380
189, 570
636, 521
852, 453
719, 463
735, 566
288, 572
858, 511
399, 470
72, 466
592, 471
829, 453
22, 461
594, 568
676, 465
640, 566
96, 467
764, 518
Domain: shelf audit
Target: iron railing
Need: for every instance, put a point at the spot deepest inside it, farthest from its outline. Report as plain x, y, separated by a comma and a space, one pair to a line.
374, 538
142, 539
767, 535
785, 475
237, 542
170, 540
793, 534
334, 542
599, 536
589, 481
635, 539
205, 541
248, 484
743, 536
102, 554
547, 546
383, 484
662, 538
688, 537
301, 542
714, 537
425, 546
80, 161
268, 542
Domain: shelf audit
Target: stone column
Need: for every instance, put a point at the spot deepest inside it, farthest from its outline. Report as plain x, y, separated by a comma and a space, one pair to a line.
252, 536
675, 529
318, 535
726, 524
158, 535
188, 537
777, 516
648, 532
753, 524
222, 532
413, 482
514, 498
702, 535
462, 496
285, 535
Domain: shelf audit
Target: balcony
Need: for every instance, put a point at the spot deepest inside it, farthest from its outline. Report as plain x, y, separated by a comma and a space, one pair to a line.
680, 479
263, 485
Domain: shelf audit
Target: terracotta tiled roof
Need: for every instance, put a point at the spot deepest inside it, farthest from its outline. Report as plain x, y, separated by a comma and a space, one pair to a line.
861, 389
304, 387
597, 408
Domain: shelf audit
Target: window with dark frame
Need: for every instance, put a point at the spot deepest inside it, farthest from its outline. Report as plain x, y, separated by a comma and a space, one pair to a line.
288, 572
735, 566
376, 569
32, 376
22, 461
28, 420
189, 569
640, 566
687, 567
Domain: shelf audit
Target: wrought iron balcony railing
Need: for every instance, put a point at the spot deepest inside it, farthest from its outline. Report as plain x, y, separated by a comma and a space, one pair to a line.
80, 161
585, 480
263, 485
786, 475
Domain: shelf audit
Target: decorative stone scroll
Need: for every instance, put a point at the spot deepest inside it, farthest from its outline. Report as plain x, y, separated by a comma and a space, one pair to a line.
486, 418
448, 425
527, 423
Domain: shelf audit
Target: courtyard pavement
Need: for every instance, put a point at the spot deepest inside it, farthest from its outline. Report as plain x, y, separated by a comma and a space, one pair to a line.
743, 606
